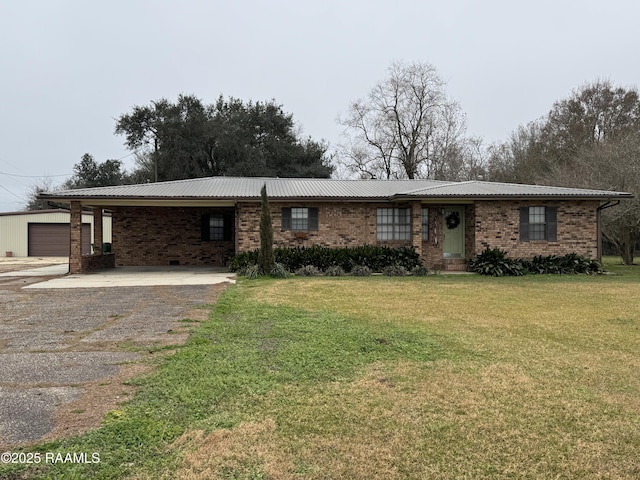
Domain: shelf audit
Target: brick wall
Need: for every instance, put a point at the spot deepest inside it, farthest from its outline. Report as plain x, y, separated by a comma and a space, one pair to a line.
340, 225
161, 235
497, 224
100, 261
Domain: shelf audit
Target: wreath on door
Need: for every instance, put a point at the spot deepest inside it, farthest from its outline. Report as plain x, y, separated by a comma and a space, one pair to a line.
452, 220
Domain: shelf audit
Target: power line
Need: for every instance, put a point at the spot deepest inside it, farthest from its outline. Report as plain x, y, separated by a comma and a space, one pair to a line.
129, 154
7, 190
34, 176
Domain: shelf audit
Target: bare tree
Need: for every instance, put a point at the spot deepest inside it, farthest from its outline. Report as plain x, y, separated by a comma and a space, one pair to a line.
592, 140
518, 160
472, 161
611, 165
407, 127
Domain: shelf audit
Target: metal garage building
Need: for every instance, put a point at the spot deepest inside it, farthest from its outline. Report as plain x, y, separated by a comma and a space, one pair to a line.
45, 233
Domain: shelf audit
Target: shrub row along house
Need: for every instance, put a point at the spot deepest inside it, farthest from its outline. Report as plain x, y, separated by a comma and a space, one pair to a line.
206, 221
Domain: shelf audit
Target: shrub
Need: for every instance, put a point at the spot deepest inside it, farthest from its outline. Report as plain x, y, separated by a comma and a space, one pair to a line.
308, 271
243, 260
360, 271
493, 262
571, 263
250, 271
373, 256
394, 271
334, 271
419, 271
279, 271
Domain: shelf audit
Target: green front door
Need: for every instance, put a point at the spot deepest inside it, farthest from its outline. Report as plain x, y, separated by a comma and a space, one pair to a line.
453, 228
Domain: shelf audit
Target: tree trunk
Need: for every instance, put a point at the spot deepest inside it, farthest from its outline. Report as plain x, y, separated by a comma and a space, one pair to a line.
626, 245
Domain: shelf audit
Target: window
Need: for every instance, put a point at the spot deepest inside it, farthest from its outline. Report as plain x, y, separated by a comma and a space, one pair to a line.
538, 223
217, 227
425, 224
300, 219
394, 224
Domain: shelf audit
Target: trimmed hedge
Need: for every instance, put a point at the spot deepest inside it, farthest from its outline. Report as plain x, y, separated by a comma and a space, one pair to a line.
377, 258
494, 262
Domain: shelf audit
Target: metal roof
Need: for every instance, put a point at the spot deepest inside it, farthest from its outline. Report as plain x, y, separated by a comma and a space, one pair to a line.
478, 189
248, 188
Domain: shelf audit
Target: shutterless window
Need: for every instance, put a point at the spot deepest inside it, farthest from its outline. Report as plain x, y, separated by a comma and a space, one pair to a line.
425, 224
393, 224
537, 223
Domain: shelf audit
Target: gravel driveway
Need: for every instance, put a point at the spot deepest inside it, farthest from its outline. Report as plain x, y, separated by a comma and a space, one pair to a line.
65, 354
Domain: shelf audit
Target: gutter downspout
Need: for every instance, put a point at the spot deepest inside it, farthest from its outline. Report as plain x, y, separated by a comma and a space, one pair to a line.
608, 204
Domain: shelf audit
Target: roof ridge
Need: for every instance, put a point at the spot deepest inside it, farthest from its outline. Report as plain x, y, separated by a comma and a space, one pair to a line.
535, 185
443, 184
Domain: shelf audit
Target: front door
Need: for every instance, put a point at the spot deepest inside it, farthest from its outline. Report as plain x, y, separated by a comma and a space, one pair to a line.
453, 228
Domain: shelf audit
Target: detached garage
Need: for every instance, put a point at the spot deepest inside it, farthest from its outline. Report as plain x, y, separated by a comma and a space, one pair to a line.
45, 233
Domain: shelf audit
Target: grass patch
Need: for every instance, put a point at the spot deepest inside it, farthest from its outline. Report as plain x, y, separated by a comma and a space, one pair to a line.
614, 265
431, 377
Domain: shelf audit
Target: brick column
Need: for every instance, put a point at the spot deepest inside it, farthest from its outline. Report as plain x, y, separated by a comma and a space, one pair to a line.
97, 230
416, 226
75, 255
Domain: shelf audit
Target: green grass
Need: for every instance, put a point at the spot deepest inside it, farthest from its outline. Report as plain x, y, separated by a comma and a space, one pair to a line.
614, 265
437, 377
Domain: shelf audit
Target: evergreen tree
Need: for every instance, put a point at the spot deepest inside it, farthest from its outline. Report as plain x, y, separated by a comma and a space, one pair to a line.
265, 256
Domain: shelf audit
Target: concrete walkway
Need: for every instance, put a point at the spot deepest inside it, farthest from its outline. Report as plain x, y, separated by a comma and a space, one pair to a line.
47, 271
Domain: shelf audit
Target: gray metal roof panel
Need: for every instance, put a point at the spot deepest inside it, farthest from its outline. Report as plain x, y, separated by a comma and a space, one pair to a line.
249, 188
284, 188
493, 189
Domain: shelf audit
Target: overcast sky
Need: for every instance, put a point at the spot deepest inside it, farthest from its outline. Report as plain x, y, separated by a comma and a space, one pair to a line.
70, 68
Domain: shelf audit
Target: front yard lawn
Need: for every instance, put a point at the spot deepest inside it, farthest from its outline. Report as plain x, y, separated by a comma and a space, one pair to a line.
441, 377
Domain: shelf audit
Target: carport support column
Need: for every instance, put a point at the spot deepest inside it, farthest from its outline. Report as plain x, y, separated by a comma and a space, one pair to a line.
75, 256
97, 230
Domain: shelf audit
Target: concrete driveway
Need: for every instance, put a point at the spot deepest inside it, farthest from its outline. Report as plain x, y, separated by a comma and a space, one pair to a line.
66, 352
115, 277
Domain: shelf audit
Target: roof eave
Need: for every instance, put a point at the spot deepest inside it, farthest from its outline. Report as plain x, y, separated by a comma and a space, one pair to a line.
103, 198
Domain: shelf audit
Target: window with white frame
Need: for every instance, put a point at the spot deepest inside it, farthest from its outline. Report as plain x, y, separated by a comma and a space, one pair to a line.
393, 224
538, 223
300, 219
216, 227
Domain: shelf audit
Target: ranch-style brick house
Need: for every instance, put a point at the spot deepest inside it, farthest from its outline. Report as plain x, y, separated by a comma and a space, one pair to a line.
206, 221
